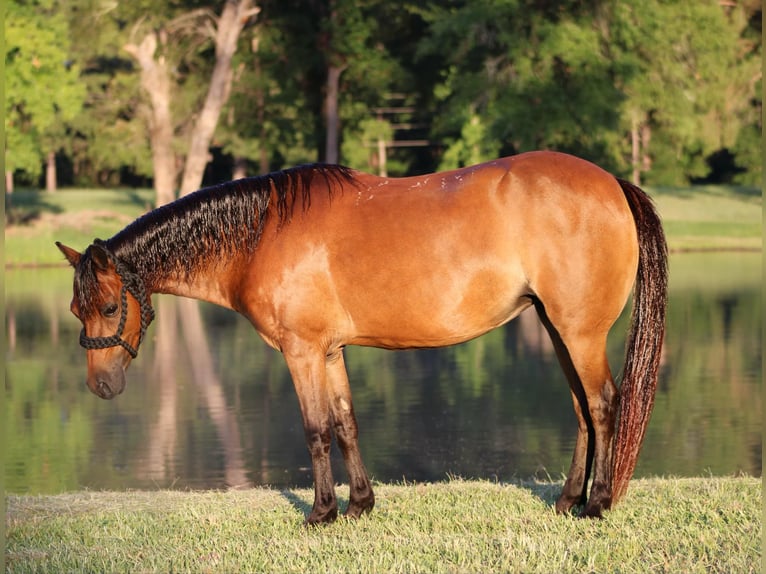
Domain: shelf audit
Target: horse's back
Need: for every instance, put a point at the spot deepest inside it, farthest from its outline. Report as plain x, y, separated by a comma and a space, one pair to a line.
441, 258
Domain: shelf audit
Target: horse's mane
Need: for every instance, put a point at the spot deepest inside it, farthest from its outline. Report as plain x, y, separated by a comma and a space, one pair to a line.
215, 223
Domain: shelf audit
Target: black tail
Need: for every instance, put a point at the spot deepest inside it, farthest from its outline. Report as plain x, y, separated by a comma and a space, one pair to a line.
644, 344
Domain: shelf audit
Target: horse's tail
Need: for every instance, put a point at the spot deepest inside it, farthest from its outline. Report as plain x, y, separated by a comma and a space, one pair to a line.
644, 344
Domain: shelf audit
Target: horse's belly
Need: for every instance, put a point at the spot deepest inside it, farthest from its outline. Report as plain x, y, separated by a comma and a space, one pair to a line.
437, 311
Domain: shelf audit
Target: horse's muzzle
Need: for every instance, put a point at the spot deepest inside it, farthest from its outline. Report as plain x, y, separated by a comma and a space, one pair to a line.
104, 391
108, 386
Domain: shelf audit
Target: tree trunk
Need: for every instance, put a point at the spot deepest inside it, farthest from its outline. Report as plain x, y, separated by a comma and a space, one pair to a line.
640, 136
635, 152
229, 26
382, 158
260, 101
240, 168
10, 319
331, 113
8, 181
51, 181
155, 80
646, 137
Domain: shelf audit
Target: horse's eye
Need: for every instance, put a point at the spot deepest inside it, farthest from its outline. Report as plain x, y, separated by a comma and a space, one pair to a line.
110, 310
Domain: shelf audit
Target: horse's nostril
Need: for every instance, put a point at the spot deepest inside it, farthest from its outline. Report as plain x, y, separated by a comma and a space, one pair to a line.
104, 390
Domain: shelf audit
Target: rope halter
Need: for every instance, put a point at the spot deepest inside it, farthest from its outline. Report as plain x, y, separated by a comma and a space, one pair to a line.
133, 284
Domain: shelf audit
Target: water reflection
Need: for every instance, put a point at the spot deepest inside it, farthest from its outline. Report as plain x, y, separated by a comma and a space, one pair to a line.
208, 405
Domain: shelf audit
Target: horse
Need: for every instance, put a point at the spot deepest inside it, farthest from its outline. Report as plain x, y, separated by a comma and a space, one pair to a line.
318, 257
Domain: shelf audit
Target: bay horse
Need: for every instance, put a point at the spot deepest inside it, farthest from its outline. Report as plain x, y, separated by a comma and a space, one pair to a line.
318, 257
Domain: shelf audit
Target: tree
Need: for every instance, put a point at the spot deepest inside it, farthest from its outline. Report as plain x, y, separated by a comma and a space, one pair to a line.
43, 93
747, 148
635, 86
227, 29
268, 122
156, 83
155, 59
346, 40
679, 107
150, 88
315, 72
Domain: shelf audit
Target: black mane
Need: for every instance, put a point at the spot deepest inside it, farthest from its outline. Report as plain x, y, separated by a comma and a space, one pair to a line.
215, 223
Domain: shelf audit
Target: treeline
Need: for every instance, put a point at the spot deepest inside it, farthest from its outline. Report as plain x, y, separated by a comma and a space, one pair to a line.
172, 93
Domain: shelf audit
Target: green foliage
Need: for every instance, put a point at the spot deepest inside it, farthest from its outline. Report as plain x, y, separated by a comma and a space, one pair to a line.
359, 147
580, 78
474, 145
485, 78
678, 89
43, 92
749, 153
268, 114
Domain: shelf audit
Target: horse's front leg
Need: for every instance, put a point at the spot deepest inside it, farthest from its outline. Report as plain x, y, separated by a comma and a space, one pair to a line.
361, 497
307, 368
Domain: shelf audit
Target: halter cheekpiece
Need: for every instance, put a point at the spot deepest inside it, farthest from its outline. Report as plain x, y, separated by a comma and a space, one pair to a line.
133, 284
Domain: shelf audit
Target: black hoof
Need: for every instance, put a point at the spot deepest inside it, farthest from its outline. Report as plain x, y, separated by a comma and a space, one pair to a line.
357, 509
321, 518
592, 512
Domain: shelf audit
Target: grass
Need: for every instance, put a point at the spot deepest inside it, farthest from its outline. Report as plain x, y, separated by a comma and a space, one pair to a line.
697, 218
36, 220
711, 217
662, 525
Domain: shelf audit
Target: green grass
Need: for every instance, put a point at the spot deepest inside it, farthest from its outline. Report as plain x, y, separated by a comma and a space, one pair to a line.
662, 525
711, 217
696, 218
36, 220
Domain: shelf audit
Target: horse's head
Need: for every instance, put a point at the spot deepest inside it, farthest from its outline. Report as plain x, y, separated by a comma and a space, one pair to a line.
111, 302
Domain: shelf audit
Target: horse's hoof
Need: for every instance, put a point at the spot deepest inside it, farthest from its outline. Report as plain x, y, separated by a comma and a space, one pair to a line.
357, 510
565, 504
321, 519
592, 512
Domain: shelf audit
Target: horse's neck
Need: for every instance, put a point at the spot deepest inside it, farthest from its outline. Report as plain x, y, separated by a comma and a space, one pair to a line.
210, 286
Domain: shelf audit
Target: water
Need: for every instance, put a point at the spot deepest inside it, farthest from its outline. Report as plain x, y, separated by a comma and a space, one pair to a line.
211, 406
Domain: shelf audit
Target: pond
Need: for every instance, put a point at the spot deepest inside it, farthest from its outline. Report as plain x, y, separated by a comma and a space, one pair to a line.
209, 405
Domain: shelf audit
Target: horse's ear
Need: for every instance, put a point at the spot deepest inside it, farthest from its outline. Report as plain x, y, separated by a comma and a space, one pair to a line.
72, 255
100, 257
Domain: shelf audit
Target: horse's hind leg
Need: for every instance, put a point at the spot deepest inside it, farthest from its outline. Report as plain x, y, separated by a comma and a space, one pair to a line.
575, 489
582, 354
361, 498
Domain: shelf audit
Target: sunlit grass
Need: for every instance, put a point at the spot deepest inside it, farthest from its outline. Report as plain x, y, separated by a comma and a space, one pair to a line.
711, 217
663, 525
35, 221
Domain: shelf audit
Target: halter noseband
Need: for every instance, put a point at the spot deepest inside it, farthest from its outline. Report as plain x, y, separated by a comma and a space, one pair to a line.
131, 282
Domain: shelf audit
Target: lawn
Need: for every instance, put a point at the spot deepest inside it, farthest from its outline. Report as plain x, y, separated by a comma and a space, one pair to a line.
711, 217
36, 220
662, 525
